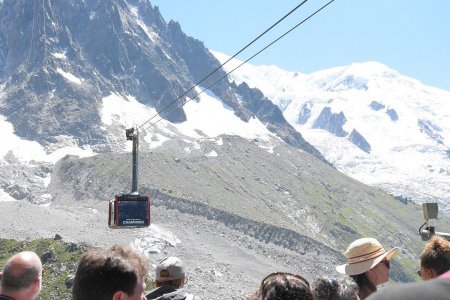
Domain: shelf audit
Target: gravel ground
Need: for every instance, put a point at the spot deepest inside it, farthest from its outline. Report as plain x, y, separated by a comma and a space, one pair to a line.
221, 263
234, 218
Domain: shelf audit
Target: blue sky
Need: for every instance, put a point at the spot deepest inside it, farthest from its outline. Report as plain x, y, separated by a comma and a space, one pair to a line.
410, 36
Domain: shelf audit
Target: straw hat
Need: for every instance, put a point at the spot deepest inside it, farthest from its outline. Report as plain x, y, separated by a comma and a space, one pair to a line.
364, 254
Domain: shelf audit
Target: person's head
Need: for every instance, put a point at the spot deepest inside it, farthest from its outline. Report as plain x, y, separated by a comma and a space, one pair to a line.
331, 289
282, 285
348, 291
22, 276
117, 273
435, 258
170, 271
367, 263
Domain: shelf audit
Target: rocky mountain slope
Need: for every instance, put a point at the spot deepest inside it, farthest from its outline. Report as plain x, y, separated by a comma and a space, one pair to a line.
371, 122
234, 217
236, 190
280, 196
59, 59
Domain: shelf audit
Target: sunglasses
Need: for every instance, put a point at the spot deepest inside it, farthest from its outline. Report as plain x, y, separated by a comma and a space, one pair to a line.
285, 275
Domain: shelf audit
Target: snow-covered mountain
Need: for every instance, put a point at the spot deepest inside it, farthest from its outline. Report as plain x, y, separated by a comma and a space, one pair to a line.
231, 178
64, 91
371, 122
58, 60
75, 74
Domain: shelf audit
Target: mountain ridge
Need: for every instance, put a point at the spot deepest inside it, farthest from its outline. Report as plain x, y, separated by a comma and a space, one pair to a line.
396, 124
228, 175
69, 55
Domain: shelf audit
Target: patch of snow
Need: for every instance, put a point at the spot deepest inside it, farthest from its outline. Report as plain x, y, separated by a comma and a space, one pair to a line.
29, 151
119, 113
212, 154
267, 148
46, 198
197, 146
69, 76
219, 142
134, 11
70, 150
151, 34
208, 118
60, 55
5, 197
213, 118
47, 179
167, 55
124, 111
155, 240
155, 140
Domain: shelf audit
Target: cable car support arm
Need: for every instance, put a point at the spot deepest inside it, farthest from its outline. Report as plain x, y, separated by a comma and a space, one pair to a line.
133, 135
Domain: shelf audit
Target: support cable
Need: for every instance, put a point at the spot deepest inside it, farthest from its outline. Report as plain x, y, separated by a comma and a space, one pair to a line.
234, 69
220, 66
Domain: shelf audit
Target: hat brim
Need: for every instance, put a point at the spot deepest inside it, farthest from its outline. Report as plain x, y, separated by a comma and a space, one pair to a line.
166, 279
362, 267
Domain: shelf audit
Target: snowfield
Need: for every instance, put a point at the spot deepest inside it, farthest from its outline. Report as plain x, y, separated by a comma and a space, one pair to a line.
409, 157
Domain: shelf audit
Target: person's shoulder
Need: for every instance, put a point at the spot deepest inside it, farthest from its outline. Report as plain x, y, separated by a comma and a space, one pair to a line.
192, 297
160, 291
435, 289
167, 293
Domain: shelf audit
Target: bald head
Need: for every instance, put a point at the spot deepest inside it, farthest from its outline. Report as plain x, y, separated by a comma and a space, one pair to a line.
21, 271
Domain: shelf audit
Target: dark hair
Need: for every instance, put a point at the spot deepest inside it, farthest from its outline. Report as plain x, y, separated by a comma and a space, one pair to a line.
287, 286
331, 289
348, 291
364, 283
102, 273
436, 255
15, 281
325, 289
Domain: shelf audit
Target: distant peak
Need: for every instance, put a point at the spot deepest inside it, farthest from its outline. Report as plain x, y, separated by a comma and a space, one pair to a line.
373, 64
354, 76
370, 68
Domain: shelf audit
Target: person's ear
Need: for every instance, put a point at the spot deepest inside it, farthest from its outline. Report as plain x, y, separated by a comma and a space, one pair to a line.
37, 284
119, 295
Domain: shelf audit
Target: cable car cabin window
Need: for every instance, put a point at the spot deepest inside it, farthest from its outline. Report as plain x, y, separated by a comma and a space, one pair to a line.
132, 212
129, 211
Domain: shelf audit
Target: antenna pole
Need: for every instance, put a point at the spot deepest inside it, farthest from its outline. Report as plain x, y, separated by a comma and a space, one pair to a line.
133, 135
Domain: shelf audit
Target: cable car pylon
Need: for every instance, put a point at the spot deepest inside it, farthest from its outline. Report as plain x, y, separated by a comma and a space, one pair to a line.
130, 210
132, 134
